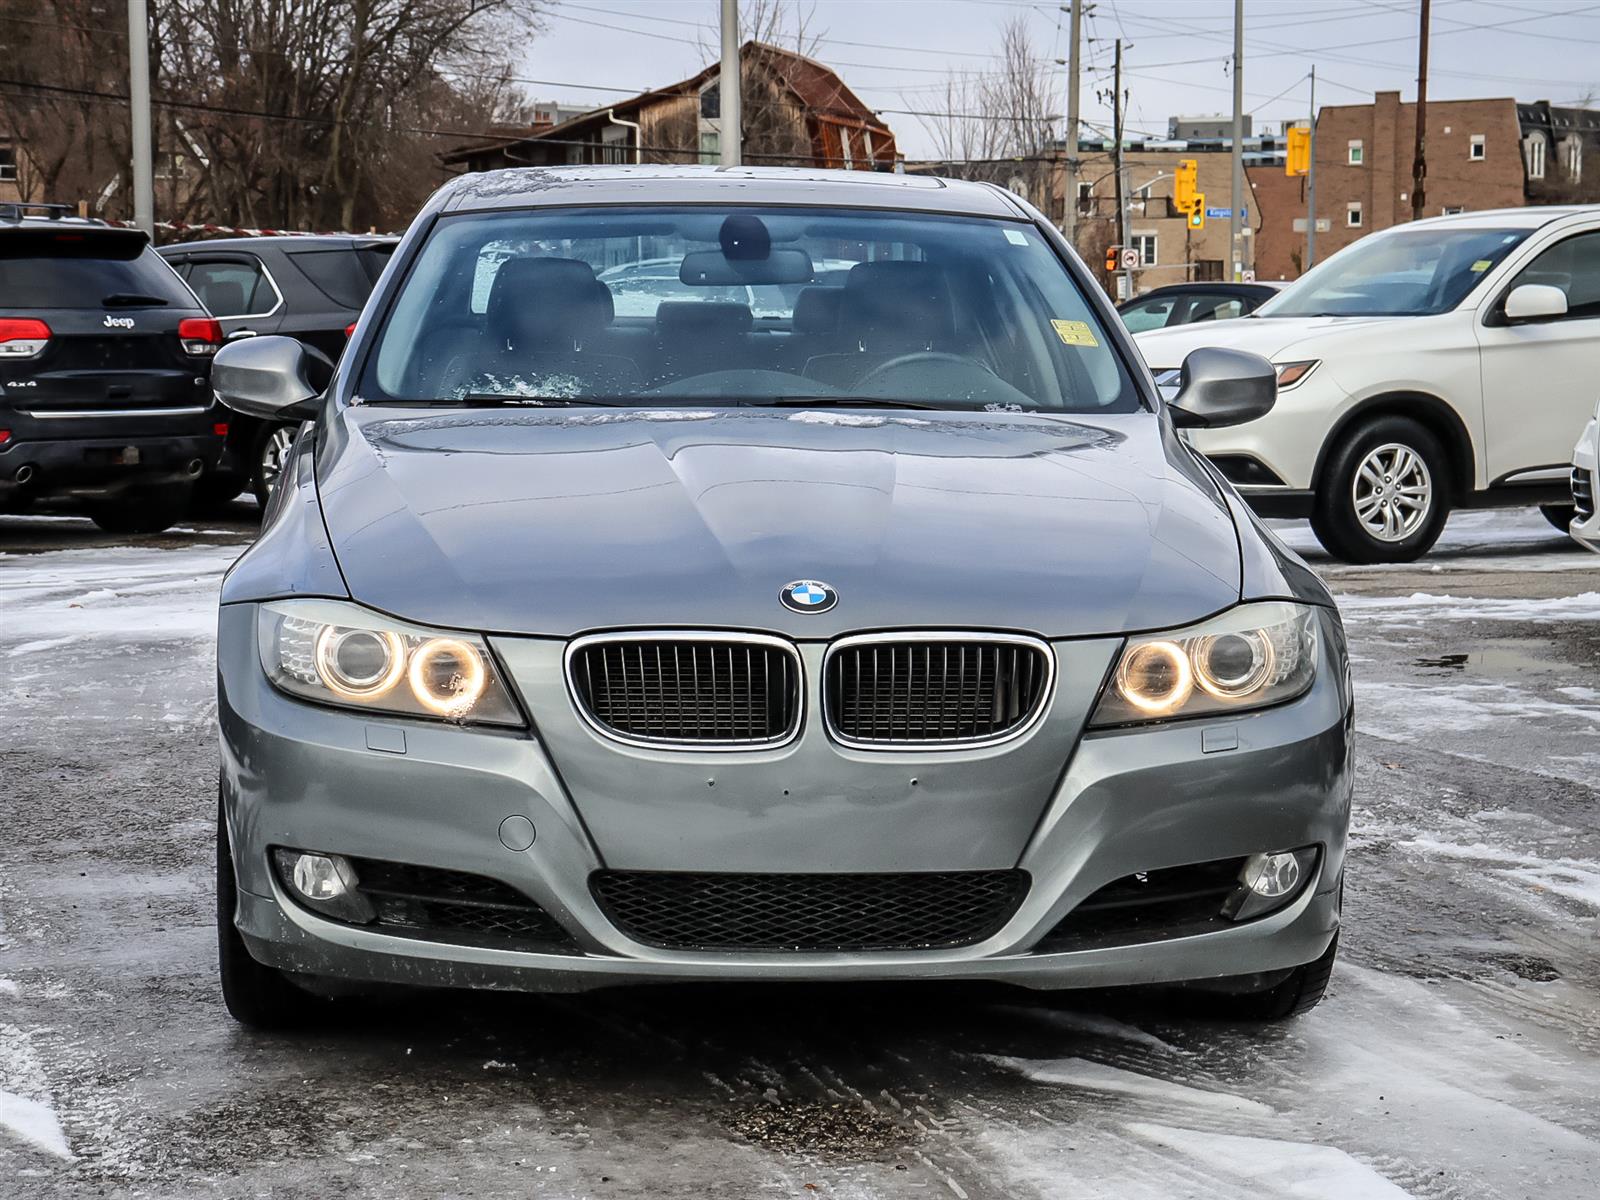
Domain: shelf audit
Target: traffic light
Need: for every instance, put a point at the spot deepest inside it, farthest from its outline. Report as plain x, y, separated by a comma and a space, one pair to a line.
1197, 213
1111, 257
1183, 184
1298, 159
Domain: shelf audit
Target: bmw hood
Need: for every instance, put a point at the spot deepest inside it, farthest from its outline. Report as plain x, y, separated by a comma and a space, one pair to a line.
557, 521
1278, 339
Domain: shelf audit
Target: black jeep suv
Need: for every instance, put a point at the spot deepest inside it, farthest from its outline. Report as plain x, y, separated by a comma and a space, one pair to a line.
308, 286
105, 359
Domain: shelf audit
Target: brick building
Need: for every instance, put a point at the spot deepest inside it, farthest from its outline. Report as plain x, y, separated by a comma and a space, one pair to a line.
1481, 154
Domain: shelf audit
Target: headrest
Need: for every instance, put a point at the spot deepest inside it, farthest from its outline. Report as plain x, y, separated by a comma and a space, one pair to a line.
816, 309
545, 303
703, 318
893, 306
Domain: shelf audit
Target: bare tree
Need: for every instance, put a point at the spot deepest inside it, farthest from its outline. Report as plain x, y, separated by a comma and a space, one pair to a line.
1001, 125
787, 24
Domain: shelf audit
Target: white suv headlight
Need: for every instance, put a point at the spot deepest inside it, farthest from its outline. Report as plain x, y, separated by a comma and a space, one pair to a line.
339, 653
1249, 657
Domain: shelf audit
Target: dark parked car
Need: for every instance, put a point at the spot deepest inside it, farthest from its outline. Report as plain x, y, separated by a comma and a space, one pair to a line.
1186, 303
105, 358
309, 288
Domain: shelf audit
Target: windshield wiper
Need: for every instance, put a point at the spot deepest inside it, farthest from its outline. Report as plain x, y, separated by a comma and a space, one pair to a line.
841, 402
132, 300
500, 400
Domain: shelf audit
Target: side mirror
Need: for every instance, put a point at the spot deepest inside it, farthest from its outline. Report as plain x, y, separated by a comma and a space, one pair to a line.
1535, 302
1223, 387
266, 377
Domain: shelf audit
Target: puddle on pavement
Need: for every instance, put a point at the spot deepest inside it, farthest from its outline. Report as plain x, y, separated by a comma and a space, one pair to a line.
1508, 656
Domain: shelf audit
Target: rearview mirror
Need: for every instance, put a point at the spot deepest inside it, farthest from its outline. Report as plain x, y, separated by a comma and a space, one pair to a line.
1220, 387
1535, 302
266, 377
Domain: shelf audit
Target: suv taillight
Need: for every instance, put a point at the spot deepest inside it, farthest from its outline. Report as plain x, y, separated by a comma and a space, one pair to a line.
22, 337
200, 336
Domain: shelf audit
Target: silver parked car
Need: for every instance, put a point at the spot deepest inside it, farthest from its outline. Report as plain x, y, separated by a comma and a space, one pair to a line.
894, 634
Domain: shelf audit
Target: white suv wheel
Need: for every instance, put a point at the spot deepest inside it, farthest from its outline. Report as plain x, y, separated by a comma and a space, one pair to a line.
1392, 492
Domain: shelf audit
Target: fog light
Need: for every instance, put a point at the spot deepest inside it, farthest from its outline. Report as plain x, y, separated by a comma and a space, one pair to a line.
326, 883
1270, 881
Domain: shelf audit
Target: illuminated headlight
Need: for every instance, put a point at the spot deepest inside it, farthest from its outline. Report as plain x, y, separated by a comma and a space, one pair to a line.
338, 653
1249, 657
1290, 374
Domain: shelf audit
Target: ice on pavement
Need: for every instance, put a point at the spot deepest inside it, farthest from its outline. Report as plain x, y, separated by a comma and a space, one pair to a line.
1101, 1077
25, 1110
1274, 1168
1425, 606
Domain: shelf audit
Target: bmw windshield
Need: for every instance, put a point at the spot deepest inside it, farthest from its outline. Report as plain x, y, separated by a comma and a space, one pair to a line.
1410, 273
705, 305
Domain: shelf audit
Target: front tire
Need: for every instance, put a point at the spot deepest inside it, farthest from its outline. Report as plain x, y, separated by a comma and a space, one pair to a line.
272, 451
256, 995
144, 510
1559, 515
1301, 991
1384, 495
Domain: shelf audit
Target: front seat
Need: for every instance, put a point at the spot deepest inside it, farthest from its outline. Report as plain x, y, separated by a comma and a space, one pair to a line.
888, 309
542, 327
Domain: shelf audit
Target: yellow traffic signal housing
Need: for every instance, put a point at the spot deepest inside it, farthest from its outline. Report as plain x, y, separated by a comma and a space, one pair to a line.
1183, 184
1197, 213
1298, 159
1111, 257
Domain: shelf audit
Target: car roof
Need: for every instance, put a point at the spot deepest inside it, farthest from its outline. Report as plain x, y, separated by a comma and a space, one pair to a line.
649, 184
310, 241
1505, 218
1223, 286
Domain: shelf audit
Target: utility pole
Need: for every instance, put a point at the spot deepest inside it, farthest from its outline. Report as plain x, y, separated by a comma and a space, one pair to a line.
1311, 182
1235, 240
1419, 164
729, 85
1122, 204
144, 200
1069, 213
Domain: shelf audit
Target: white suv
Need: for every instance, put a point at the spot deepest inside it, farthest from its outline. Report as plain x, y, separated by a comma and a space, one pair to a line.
1447, 363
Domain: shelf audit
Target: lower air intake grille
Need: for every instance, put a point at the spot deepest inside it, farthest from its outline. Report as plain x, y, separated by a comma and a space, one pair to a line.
934, 690
701, 691
1149, 907
1582, 493
913, 911
427, 901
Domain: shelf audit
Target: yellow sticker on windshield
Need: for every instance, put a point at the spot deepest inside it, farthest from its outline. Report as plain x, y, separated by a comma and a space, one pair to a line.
1483, 264
1074, 333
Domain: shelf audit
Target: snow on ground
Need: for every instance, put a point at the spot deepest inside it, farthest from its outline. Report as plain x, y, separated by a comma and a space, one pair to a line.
26, 1113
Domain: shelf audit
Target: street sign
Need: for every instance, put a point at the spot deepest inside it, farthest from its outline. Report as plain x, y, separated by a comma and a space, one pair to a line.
1226, 213
1249, 276
1130, 259
1323, 224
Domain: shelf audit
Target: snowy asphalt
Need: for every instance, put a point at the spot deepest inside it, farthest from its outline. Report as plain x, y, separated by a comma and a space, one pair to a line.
1456, 1056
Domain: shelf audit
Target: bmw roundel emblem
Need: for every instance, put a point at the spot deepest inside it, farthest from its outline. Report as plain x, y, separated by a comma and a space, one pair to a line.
808, 596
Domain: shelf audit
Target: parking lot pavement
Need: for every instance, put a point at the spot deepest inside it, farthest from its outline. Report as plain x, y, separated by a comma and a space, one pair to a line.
1455, 1056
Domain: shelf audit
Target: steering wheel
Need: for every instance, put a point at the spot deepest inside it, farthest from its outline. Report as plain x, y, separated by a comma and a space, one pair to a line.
915, 358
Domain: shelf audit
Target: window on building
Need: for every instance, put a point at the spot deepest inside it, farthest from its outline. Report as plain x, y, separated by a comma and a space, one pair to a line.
1534, 148
1352, 215
1451, 210
1356, 153
614, 144
1145, 244
1475, 148
8, 164
710, 146
1085, 198
710, 103
1574, 146
1139, 200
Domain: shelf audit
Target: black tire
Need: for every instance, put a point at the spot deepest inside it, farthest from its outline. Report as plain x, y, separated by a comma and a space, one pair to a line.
144, 510
1559, 515
256, 995
1299, 992
1334, 516
270, 449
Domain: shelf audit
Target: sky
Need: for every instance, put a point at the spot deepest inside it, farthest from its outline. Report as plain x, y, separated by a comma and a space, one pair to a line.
898, 54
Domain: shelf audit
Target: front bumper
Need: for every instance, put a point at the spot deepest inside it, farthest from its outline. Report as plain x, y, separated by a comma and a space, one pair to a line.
1585, 527
1127, 801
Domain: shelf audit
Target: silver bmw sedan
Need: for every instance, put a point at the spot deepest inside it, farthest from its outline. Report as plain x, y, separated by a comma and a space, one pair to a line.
840, 603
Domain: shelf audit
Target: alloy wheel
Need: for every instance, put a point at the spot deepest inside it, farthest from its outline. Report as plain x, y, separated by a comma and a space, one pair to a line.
274, 451
1392, 492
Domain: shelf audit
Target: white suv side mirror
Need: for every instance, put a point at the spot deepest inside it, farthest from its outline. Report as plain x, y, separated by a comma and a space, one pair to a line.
1534, 302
